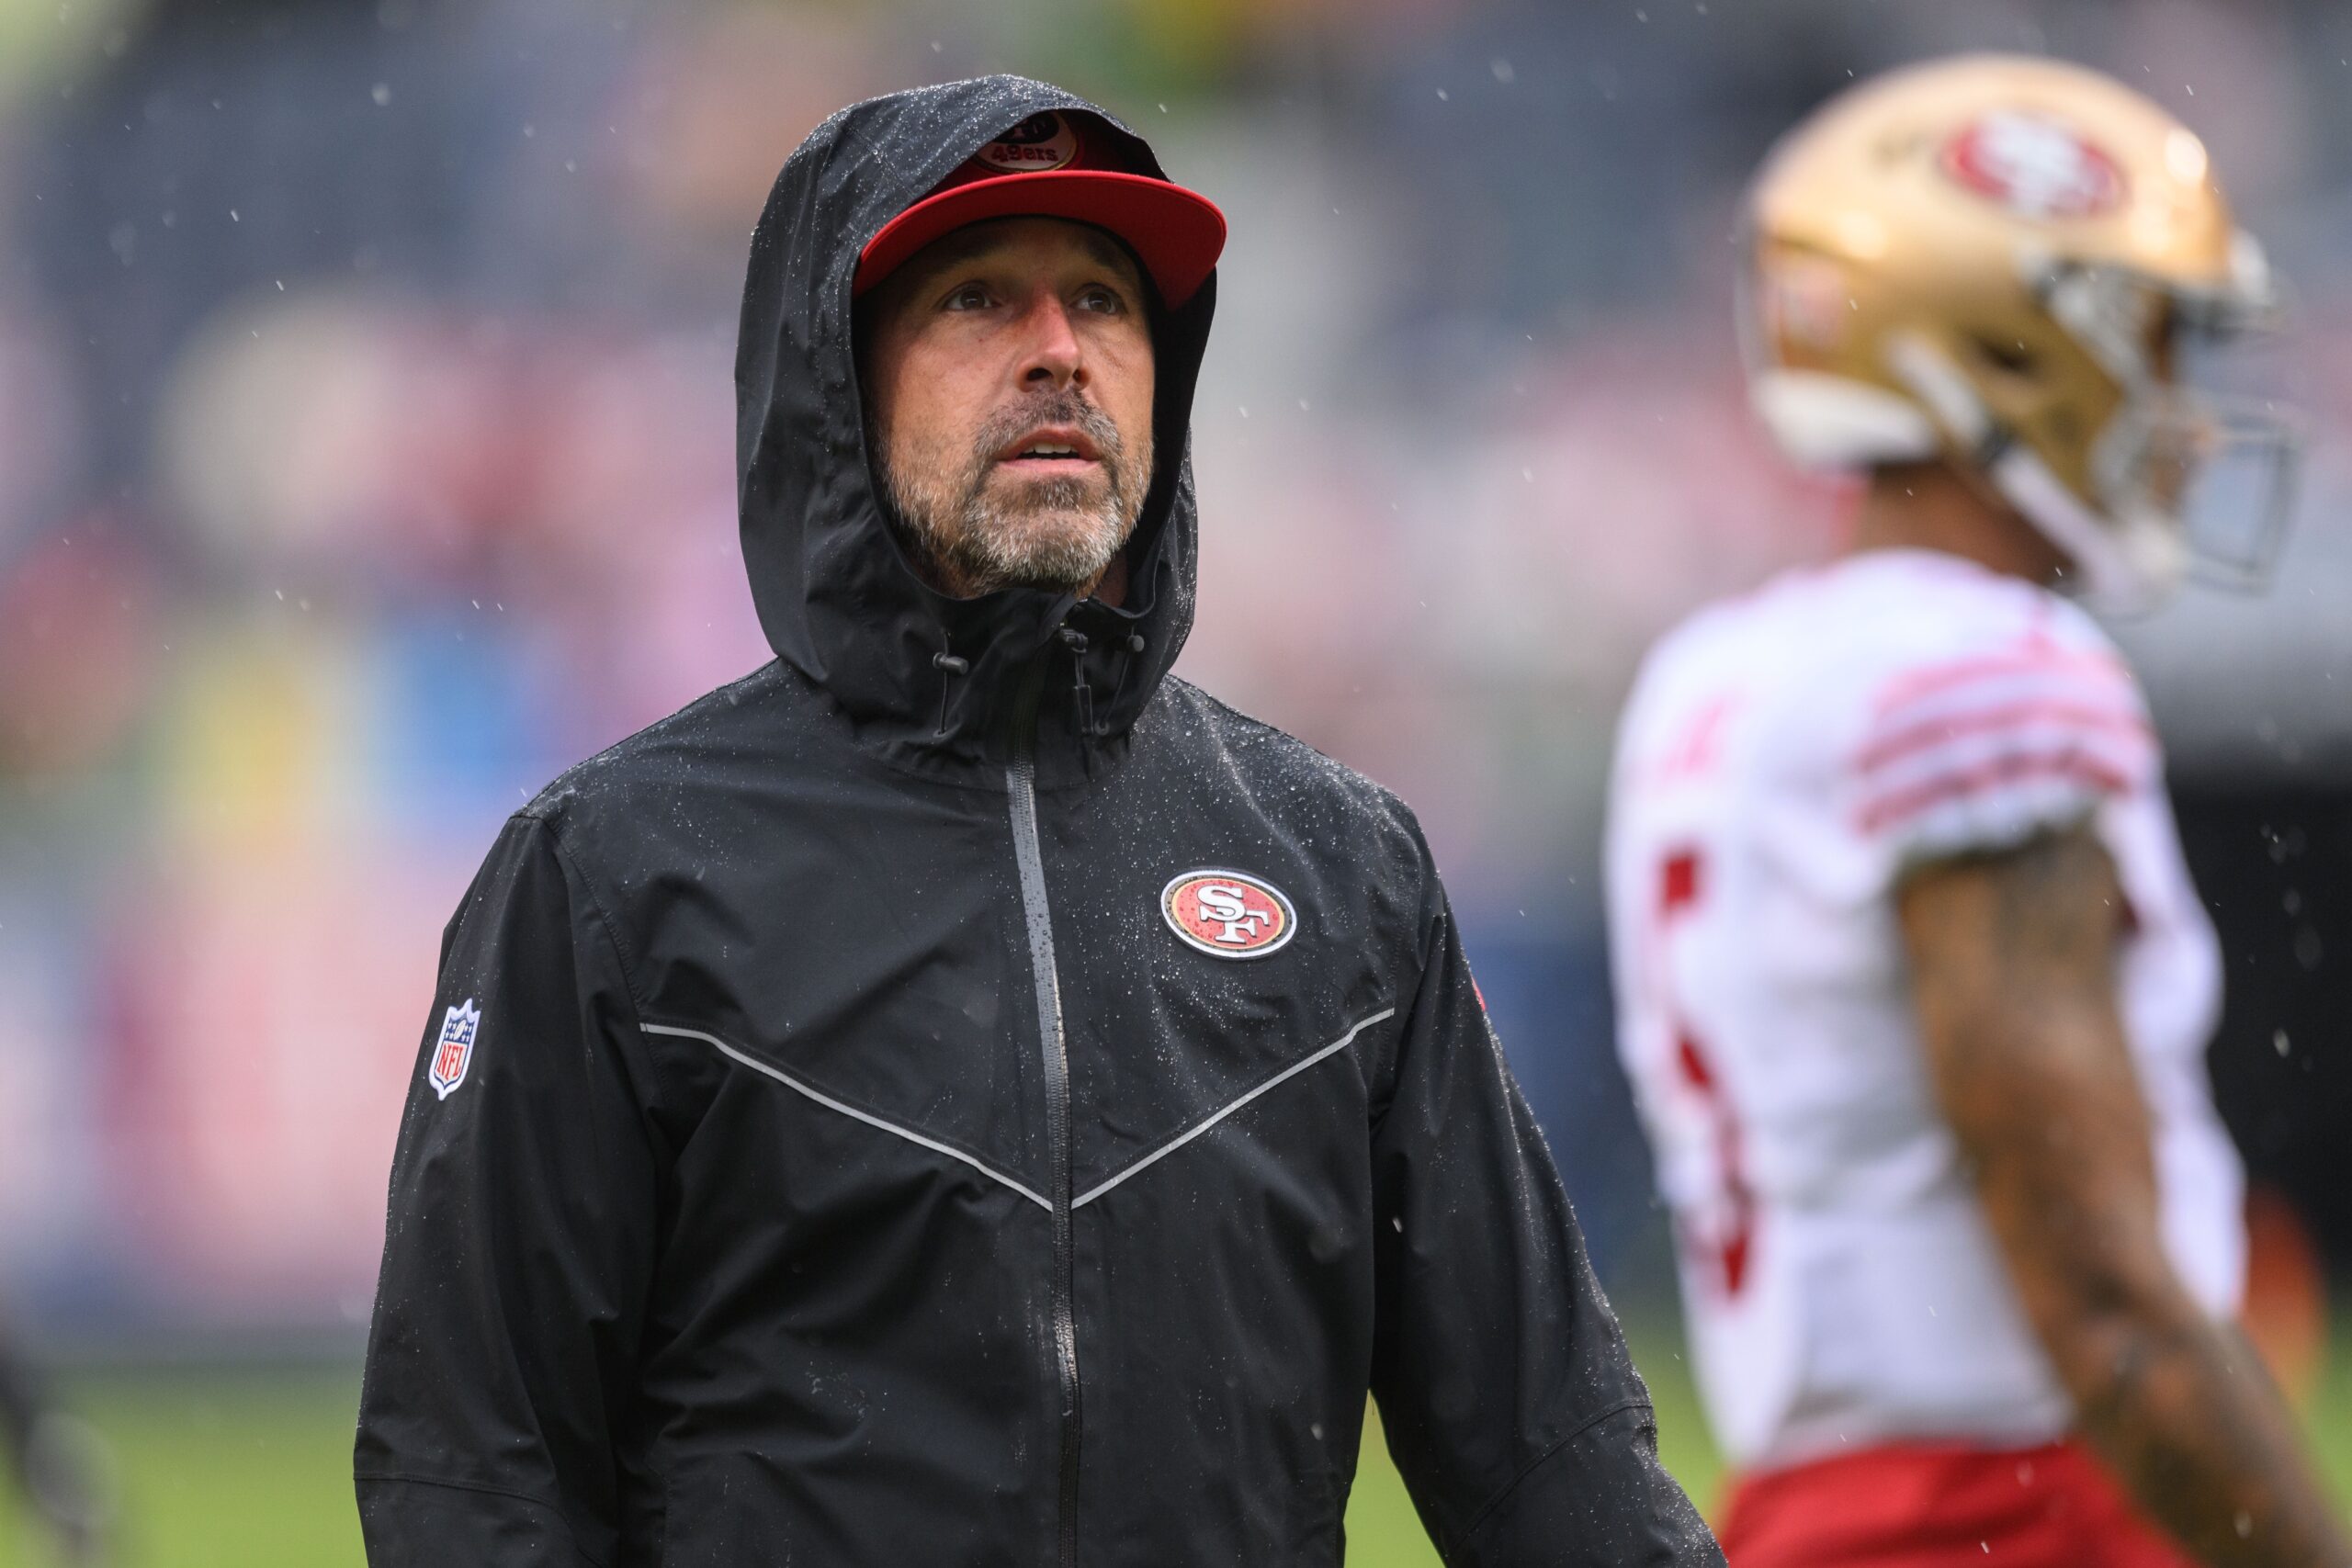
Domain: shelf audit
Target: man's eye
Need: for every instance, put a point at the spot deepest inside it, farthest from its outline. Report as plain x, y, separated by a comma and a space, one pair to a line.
971, 296
1102, 299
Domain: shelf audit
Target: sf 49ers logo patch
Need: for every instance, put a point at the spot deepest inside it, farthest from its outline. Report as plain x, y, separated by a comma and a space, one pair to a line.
1228, 913
455, 1051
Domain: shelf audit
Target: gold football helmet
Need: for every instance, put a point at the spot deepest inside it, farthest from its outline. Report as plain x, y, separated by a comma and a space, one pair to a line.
2011, 263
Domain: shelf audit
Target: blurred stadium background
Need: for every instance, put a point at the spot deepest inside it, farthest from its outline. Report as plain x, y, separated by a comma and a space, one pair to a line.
364, 458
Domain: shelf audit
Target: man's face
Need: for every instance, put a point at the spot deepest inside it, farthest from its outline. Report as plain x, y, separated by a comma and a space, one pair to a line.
1008, 373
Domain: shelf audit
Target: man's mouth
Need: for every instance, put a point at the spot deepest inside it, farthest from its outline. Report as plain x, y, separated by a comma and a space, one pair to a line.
1055, 449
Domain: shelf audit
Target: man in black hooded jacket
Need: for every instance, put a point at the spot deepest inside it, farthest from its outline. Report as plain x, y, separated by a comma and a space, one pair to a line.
960, 1095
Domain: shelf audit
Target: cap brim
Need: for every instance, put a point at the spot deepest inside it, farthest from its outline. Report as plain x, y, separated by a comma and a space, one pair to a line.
1175, 233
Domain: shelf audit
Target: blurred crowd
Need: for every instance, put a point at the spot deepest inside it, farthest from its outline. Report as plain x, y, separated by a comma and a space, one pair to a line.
366, 457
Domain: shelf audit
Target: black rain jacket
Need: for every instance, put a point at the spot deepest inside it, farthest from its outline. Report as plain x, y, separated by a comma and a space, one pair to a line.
851, 1167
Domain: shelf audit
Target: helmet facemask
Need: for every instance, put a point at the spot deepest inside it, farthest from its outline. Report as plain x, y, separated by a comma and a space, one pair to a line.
2179, 475
2195, 478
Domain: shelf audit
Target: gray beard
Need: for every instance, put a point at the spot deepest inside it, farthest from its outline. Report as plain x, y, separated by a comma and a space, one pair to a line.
1058, 535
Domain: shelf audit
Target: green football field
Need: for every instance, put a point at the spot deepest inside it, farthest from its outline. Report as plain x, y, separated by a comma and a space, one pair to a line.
250, 1468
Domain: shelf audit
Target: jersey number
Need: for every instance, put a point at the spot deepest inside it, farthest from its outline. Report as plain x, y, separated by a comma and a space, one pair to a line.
1722, 1242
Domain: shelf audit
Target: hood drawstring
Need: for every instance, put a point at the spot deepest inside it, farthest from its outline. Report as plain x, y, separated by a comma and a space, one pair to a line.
950, 668
1082, 694
1131, 645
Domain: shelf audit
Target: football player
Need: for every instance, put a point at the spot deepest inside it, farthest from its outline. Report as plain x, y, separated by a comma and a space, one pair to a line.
1914, 987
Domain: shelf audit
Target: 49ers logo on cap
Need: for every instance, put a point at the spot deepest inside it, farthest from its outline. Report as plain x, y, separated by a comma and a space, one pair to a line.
1042, 141
1228, 913
2035, 166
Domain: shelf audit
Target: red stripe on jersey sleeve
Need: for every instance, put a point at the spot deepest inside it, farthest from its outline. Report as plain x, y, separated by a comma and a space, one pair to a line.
2025, 718
2080, 669
2068, 766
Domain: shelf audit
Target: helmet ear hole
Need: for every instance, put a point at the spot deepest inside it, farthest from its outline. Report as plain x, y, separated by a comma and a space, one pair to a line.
2007, 357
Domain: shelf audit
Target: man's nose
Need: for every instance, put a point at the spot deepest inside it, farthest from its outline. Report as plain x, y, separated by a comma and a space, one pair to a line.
1054, 356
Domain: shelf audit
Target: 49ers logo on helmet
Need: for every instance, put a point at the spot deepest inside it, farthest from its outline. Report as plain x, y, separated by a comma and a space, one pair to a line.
2035, 166
1042, 141
1228, 913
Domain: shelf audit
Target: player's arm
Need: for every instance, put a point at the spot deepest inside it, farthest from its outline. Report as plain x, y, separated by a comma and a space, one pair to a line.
2012, 957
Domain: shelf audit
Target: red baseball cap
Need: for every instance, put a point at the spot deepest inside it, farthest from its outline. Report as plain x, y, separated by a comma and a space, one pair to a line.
1061, 166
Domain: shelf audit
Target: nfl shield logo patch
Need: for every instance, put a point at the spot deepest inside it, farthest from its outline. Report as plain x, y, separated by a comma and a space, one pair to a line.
455, 1053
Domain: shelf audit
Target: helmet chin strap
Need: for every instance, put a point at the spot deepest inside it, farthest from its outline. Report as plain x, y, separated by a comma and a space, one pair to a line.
2122, 565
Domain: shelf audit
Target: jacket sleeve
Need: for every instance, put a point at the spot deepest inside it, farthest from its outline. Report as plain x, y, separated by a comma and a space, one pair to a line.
519, 1241
1510, 1402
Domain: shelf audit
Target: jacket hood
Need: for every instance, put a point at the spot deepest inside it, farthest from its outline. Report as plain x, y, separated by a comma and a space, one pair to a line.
934, 680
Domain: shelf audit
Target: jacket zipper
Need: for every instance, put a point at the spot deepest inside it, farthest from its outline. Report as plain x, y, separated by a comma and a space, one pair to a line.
1021, 794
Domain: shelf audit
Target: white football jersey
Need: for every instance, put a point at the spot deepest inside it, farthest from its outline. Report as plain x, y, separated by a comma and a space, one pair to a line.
1785, 756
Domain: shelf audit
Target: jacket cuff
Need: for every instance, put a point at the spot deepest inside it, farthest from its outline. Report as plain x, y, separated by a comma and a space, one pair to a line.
411, 1522
1600, 1499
